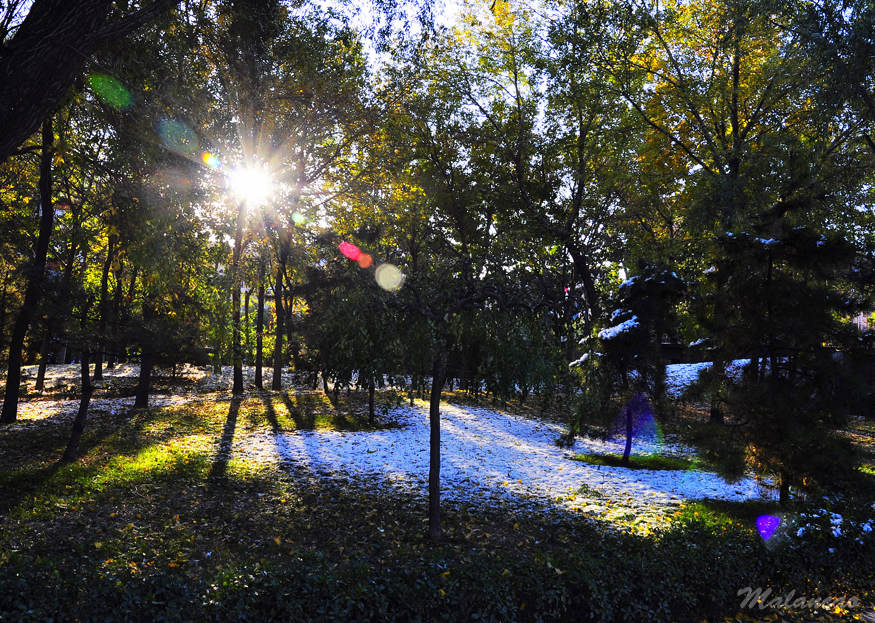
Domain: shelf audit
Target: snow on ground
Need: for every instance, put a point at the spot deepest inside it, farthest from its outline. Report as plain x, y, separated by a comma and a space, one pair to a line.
486, 455
679, 376
33, 413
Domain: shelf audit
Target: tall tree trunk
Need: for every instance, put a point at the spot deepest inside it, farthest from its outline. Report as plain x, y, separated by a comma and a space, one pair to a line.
3, 311
584, 272
33, 290
43, 360
112, 355
104, 292
79, 423
325, 382
439, 368
259, 328
247, 346
147, 360
237, 354
627, 450
277, 381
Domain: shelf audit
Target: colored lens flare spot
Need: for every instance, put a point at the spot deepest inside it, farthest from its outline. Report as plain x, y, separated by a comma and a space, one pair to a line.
350, 251
178, 137
365, 260
110, 91
389, 277
766, 525
645, 428
298, 219
210, 160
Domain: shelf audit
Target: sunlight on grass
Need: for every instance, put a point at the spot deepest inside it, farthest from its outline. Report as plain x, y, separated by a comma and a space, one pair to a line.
646, 461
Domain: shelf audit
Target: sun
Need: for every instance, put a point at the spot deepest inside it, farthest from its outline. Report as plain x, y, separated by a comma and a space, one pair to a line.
252, 185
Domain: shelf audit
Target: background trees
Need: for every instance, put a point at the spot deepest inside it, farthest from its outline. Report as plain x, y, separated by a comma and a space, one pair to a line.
465, 206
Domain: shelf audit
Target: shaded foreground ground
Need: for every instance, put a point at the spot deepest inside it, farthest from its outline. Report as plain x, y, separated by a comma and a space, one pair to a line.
157, 521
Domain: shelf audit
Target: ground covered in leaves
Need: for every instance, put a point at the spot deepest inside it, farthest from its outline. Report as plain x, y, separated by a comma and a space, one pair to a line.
159, 521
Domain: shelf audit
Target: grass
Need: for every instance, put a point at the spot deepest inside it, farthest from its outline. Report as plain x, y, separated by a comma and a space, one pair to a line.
155, 522
639, 461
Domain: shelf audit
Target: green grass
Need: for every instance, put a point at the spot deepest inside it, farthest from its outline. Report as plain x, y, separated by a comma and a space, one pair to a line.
152, 523
639, 461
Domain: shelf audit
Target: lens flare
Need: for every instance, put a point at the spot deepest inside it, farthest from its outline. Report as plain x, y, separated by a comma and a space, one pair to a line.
389, 277
766, 525
645, 428
172, 178
350, 251
365, 260
210, 160
251, 184
178, 137
110, 91
298, 219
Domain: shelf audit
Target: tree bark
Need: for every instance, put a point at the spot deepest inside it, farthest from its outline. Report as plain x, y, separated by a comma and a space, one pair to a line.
112, 355
237, 354
43, 360
3, 312
439, 368
147, 360
259, 329
277, 381
81, 415
33, 290
247, 347
104, 292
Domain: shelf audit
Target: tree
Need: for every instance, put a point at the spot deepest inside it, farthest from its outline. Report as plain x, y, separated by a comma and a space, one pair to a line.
36, 67
34, 281
627, 359
785, 304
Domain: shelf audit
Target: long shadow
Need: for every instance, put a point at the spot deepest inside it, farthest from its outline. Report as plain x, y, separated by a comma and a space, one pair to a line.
270, 414
223, 453
22, 486
302, 421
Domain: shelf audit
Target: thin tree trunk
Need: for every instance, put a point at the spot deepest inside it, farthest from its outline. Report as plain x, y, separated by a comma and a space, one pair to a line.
33, 290
81, 415
277, 381
434, 454
3, 312
259, 328
247, 346
146, 361
43, 360
113, 355
237, 355
325, 382
628, 449
104, 291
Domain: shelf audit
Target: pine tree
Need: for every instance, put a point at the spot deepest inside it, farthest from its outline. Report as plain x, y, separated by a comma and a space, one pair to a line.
783, 310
